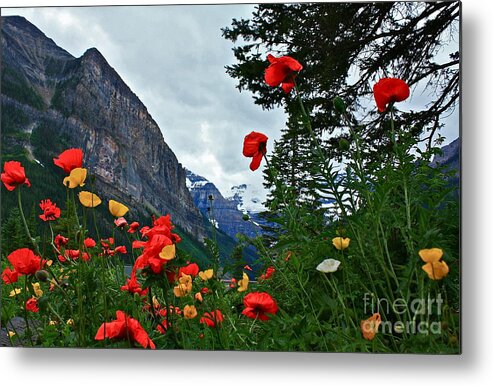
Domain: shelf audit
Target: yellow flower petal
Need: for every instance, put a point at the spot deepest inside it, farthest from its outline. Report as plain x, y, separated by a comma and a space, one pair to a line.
37, 290
431, 255
11, 334
168, 252
341, 243
243, 283
198, 297
70, 322
15, 291
88, 199
189, 312
76, 178
207, 274
436, 270
117, 209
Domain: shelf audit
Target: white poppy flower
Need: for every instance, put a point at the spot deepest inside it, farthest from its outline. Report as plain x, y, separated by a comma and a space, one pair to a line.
328, 265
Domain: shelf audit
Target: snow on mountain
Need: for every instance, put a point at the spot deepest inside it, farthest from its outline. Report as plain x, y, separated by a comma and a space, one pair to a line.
247, 198
225, 212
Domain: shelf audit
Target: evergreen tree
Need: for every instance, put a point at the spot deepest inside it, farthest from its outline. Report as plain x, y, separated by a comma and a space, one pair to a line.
345, 48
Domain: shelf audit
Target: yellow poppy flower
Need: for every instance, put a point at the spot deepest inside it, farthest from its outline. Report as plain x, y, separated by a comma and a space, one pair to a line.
369, 327
15, 291
168, 252
436, 270
76, 178
70, 322
432, 255
341, 243
243, 283
52, 323
37, 290
117, 209
88, 199
11, 334
207, 274
189, 312
184, 286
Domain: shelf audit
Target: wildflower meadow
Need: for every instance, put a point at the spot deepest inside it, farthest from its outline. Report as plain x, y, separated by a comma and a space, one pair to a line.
376, 269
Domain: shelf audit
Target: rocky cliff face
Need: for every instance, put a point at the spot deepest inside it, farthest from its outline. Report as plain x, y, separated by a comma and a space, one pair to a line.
83, 102
225, 214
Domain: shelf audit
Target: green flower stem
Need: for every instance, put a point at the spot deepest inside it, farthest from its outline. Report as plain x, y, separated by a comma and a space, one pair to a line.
26, 318
26, 227
339, 297
404, 181
93, 210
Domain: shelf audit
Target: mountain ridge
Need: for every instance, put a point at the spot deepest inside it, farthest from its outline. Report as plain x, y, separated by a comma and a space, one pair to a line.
83, 102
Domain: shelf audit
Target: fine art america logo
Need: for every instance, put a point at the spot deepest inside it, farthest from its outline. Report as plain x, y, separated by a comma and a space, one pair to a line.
412, 316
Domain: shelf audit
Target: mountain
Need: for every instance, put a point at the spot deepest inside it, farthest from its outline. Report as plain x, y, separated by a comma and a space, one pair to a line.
226, 214
52, 101
250, 201
450, 156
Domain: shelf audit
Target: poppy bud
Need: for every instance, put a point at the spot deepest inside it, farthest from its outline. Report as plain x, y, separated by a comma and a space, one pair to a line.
246, 217
339, 105
343, 144
42, 275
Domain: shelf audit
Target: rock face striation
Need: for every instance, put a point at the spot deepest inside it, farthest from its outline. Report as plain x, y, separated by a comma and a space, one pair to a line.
83, 102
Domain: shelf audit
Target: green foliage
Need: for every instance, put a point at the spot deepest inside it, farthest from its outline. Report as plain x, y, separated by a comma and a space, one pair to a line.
16, 86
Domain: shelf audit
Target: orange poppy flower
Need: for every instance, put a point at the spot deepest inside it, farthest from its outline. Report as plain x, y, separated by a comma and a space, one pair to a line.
369, 327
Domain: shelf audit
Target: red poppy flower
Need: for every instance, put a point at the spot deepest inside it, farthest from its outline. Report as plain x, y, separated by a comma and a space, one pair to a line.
60, 240
125, 327
32, 305
14, 175
120, 222
282, 71
24, 261
50, 210
268, 273
212, 318
69, 160
247, 267
9, 276
190, 269
122, 249
204, 290
255, 146
258, 305
389, 90
134, 287
133, 227
89, 243
150, 256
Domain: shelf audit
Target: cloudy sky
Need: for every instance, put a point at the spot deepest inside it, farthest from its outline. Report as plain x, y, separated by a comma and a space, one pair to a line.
173, 58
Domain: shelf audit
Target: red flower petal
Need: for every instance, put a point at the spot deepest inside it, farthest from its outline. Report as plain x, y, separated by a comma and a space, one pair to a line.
388, 90
69, 160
